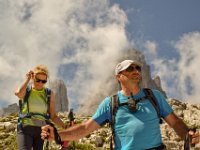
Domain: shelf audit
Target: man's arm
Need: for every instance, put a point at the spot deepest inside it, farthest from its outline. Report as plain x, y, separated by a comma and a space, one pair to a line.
177, 124
79, 131
181, 128
73, 133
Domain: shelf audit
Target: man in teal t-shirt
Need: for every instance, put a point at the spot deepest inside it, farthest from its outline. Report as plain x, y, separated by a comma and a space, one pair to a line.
138, 130
135, 130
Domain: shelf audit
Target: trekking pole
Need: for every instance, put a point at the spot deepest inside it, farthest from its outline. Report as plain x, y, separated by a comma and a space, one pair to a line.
56, 135
46, 144
73, 142
188, 140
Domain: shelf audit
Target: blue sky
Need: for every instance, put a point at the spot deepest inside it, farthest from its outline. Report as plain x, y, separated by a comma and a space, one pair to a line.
161, 21
166, 24
75, 39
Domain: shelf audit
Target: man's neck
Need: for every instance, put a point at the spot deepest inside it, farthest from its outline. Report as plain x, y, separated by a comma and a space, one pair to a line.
130, 92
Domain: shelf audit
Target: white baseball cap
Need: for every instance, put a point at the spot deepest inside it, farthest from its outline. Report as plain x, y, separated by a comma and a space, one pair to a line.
125, 64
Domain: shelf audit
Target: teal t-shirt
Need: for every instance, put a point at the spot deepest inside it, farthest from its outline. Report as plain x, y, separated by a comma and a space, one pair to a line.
138, 130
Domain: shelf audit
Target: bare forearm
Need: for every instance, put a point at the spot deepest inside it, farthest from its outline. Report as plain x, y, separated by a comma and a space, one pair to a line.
180, 128
79, 131
58, 122
22, 89
73, 133
177, 124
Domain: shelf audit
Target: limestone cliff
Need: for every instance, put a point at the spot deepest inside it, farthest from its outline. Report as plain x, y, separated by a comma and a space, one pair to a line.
61, 99
110, 86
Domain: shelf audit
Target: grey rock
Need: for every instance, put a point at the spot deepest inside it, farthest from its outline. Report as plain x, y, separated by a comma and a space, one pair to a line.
110, 85
12, 108
100, 138
61, 99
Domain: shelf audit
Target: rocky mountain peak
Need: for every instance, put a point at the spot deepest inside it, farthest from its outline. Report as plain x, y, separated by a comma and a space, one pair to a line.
61, 98
110, 86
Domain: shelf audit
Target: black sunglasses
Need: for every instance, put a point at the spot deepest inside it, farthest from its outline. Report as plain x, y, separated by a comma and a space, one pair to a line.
133, 68
39, 80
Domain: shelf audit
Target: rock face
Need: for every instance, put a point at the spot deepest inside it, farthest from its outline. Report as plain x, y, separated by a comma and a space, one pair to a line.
61, 99
100, 139
189, 114
13, 108
147, 81
110, 86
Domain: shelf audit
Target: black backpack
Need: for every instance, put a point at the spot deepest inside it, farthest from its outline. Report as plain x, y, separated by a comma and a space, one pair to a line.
29, 114
115, 105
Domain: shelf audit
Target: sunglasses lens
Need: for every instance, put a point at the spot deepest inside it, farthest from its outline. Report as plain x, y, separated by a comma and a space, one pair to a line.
42, 81
37, 80
132, 68
138, 68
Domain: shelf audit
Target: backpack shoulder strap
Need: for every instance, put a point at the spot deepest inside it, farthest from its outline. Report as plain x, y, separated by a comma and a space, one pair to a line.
22, 103
48, 93
114, 107
153, 100
25, 99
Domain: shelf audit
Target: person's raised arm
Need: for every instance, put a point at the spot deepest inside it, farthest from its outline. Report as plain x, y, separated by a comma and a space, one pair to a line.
20, 92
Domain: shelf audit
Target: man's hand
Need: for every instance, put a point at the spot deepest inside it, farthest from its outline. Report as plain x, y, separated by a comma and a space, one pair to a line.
47, 132
194, 137
124, 80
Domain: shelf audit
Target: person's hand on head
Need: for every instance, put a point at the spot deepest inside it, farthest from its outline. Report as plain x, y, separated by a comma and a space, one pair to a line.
123, 79
30, 75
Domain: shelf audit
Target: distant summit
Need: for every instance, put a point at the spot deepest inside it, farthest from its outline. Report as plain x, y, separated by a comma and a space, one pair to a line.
110, 86
61, 98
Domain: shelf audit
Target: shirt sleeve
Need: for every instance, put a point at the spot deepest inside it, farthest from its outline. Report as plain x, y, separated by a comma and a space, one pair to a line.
103, 114
165, 108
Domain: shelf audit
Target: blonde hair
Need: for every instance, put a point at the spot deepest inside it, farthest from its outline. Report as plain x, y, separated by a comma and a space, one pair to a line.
41, 69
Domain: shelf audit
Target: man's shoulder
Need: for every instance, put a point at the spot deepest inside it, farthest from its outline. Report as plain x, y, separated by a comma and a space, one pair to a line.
154, 91
107, 99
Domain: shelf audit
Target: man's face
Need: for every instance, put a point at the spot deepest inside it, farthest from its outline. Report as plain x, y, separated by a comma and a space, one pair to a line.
131, 74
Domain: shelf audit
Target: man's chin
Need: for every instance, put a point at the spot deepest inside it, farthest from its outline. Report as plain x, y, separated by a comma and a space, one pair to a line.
136, 81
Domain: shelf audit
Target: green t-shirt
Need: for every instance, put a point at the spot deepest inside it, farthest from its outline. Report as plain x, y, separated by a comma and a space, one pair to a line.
37, 103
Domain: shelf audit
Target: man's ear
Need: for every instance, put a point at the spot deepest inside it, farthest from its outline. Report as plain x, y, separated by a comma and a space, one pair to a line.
118, 76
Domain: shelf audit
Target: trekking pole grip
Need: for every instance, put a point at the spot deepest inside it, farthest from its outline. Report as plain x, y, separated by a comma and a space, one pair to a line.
56, 135
194, 130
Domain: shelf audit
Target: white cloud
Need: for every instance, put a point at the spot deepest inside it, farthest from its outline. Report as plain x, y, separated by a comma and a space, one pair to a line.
180, 77
189, 81
41, 31
151, 48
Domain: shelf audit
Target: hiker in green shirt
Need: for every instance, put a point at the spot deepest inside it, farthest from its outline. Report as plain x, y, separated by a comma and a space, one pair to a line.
37, 106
